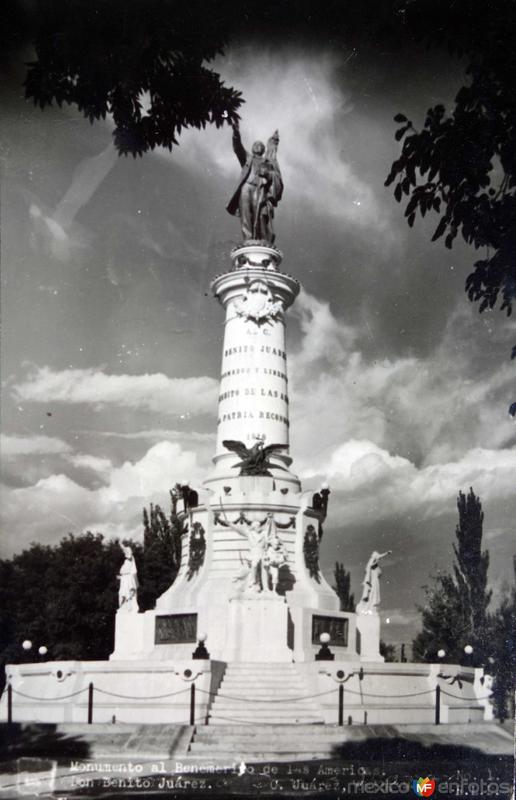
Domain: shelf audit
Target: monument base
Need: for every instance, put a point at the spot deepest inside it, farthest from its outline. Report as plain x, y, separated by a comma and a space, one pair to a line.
253, 693
258, 629
368, 627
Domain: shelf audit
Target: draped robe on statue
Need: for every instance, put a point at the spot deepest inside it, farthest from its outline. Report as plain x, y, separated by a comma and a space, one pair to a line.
258, 191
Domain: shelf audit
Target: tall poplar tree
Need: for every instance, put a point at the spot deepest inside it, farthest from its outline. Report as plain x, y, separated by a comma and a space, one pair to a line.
455, 614
161, 552
343, 587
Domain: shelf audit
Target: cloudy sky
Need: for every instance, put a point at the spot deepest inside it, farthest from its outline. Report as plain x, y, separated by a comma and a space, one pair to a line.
111, 344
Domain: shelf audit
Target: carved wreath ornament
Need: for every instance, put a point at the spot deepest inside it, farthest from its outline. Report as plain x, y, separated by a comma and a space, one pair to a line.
258, 304
197, 550
311, 552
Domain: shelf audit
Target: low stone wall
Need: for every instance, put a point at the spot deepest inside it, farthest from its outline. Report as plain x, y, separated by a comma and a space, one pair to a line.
144, 692
160, 692
395, 693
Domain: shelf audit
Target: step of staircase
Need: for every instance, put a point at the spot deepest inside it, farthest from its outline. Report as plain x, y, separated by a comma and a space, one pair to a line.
250, 737
262, 691
229, 760
278, 746
262, 666
223, 719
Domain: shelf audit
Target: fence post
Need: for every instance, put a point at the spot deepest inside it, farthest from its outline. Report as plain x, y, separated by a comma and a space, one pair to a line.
90, 703
192, 704
9, 703
341, 704
437, 704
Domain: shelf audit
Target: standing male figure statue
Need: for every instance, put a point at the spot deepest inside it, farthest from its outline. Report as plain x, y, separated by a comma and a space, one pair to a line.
259, 189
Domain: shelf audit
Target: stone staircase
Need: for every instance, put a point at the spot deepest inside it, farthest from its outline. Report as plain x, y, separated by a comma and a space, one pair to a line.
233, 744
263, 694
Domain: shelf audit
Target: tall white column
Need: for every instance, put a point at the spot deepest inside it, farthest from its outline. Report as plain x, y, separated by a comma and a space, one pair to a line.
253, 398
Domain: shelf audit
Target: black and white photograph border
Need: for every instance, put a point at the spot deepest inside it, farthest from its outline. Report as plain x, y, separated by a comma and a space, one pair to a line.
258, 443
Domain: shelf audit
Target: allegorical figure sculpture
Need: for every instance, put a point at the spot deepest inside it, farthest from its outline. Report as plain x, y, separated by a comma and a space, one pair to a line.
266, 552
371, 583
259, 188
128, 578
274, 558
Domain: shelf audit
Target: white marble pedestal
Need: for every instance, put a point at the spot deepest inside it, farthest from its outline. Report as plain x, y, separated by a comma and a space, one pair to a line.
257, 629
368, 626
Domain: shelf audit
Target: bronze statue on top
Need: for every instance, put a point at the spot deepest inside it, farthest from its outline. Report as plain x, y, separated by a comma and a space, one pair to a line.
259, 189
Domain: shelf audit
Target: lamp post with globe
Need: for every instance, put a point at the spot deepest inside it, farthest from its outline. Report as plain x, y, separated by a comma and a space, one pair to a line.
27, 647
325, 653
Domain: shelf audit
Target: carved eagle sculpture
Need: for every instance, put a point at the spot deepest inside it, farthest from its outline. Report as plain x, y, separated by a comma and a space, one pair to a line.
256, 460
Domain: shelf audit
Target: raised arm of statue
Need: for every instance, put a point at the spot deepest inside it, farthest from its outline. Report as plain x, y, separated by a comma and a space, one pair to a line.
271, 152
382, 555
238, 147
237, 529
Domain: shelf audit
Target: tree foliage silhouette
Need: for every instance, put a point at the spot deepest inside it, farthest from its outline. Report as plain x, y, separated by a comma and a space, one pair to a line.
502, 660
161, 552
342, 587
142, 62
456, 611
63, 597
462, 164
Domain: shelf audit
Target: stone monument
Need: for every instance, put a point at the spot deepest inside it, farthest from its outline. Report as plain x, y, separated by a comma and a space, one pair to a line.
249, 583
255, 594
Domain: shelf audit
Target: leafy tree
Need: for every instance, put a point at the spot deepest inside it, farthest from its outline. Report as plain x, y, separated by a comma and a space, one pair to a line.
63, 597
388, 651
142, 62
455, 614
471, 563
343, 587
462, 164
444, 619
161, 553
502, 659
